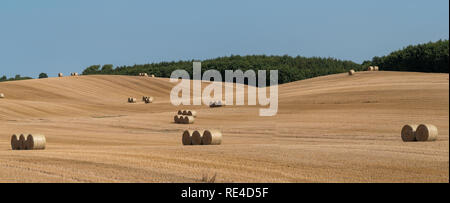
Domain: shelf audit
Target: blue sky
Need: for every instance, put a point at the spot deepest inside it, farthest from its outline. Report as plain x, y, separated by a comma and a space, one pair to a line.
68, 35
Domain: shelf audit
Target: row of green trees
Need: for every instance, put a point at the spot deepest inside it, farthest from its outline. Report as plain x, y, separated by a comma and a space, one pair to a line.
429, 57
290, 68
17, 77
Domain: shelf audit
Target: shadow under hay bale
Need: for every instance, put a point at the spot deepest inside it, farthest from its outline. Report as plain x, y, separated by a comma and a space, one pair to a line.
23, 142
187, 137
212, 137
15, 143
36, 142
408, 133
197, 137
426, 132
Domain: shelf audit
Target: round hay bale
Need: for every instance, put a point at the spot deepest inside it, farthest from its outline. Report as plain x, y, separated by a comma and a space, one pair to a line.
187, 137
180, 112
60, 75
197, 137
149, 100
188, 119
36, 142
370, 68
376, 68
15, 144
192, 113
132, 100
212, 137
351, 72
2, 96
23, 142
426, 132
153, 76
185, 112
409, 133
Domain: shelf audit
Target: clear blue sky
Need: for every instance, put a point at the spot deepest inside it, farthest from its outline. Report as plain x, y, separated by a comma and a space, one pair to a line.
68, 35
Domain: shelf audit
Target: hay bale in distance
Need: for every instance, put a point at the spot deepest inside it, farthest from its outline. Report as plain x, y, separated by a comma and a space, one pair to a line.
15, 144
426, 132
36, 142
188, 119
187, 137
409, 133
2, 95
132, 100
351, 72
212, 137
218, 103
191, 113
376, 68
197, 137
153, 76
148, 100
60, 75
370, 68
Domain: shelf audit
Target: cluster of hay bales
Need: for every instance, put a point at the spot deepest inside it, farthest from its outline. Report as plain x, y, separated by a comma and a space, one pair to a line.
143, 74
351, 72
2, 95
73, 74
30, 142
373, 68
187, 113
185, 117
421, 133
60, 75
202, 137
147, 100
132, 100
217, 103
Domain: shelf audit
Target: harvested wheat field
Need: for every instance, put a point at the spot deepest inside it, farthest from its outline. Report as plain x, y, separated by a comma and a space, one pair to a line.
328, 129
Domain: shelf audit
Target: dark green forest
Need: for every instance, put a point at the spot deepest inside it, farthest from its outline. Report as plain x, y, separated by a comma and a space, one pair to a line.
429, 57
290, 68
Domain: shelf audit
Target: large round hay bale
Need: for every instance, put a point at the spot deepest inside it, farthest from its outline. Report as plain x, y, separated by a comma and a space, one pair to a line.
149, 100
15, 144
409, 133
370, 68
426, 132
351, 72
212, 137
187, 137
153, 76
60, 75
376, 68
144, 98
191, 113
188, 119
184, 112
180, 112
197, 137
36, 142
2, 96
23, 142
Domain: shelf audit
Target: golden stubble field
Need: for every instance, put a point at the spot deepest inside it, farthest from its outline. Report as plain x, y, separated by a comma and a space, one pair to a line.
336, 128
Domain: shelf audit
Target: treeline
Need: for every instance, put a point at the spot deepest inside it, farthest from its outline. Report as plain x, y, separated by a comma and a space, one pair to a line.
18, 77
429, 57
290, 68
